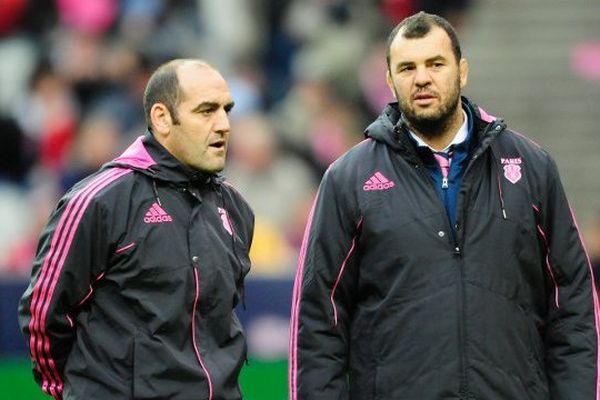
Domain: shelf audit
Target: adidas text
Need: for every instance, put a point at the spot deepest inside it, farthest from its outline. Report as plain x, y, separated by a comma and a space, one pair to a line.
157, 219
378, 186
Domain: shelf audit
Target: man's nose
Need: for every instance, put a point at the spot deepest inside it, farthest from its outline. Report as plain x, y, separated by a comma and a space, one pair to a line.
422, 76
222, 123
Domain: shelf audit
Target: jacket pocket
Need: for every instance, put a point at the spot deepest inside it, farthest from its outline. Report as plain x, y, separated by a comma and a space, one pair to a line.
416, 349
537, 385
535, 346
161, 371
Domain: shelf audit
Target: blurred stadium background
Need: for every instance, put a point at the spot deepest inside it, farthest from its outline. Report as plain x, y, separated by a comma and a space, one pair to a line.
307, 77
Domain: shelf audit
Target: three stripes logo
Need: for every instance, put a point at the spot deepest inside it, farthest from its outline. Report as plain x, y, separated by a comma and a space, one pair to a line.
378, 182
156, 215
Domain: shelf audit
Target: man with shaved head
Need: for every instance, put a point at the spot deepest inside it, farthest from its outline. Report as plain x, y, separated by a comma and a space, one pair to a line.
142, 263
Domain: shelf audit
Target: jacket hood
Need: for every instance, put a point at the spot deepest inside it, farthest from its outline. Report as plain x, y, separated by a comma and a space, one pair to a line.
147, 156
387, 128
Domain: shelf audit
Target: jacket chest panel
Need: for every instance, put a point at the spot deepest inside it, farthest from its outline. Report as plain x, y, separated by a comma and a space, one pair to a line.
163, 245
408, 224
405, 235
502, 248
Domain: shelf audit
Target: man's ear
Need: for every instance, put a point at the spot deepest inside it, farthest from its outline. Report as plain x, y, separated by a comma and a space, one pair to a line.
388, 80
161, 119
463, 67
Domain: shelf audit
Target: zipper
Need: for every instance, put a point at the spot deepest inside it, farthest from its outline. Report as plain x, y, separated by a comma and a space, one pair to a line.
444, 166
462, 330
455, 242
460, 302
198, 357
459, 239
420, 167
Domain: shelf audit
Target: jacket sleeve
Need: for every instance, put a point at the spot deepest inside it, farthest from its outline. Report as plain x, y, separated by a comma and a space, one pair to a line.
572, 326
70, 255
323, 297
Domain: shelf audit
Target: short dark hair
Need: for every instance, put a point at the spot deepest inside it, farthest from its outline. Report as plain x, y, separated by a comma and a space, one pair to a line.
417, 26
163, 87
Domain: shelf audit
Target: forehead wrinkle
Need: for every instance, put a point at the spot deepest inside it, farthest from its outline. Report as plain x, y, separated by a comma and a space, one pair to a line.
436, 33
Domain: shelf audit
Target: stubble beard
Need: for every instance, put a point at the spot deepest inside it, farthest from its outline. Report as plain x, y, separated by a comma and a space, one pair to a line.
431, 125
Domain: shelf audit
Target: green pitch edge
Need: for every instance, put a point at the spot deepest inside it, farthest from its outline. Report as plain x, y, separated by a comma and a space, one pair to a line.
260, 380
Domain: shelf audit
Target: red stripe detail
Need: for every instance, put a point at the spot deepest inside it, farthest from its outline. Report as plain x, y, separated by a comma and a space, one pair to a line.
374, 179
339, 277
118, 173
485, 116
548, 266
527, 138
501, 193
89, 294
49, 274
153, 211
382, 178
122, 249
197, 286
596, 303
36, 338
158, 209
136, 155
293, 362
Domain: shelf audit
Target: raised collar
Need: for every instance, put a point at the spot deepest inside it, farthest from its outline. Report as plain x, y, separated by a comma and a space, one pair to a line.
148, 156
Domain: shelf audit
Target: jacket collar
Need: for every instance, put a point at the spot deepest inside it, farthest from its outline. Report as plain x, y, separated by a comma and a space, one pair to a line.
391, 129
148, 156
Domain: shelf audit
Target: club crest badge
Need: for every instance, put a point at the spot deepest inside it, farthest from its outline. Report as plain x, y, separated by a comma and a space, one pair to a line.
225, 220
512, 169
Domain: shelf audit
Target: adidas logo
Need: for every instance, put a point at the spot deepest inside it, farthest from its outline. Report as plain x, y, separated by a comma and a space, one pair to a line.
156, 215
378, 182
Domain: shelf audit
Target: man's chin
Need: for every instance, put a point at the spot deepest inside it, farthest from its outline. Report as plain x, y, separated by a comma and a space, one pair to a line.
210, 169
427, 115
431, 127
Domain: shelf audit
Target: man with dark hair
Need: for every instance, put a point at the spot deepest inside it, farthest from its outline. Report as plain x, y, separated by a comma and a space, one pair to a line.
142, 263
163, 87
441, 259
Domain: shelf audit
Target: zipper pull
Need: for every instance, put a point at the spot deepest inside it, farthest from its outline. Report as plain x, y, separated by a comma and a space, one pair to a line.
444, 164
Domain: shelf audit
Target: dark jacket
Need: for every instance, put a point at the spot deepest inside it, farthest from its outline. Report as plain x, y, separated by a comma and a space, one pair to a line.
388, 305
134, 284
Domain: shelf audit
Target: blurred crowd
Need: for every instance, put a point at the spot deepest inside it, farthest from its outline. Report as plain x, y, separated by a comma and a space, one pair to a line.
306, 75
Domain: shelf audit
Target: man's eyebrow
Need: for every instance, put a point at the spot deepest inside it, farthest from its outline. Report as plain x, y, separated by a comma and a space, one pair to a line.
404, 64
212, 105
206, 105
439, 57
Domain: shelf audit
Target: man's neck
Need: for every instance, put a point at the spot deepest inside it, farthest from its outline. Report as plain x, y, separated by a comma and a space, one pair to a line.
440, 141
